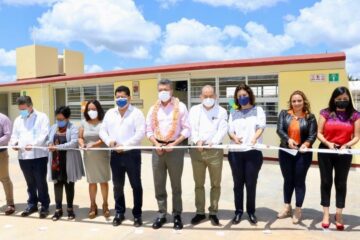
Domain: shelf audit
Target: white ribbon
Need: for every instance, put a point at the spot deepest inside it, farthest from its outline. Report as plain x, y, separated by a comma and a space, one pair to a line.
237, 147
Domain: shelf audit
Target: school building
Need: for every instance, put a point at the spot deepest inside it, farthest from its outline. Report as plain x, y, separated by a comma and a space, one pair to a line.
53, 80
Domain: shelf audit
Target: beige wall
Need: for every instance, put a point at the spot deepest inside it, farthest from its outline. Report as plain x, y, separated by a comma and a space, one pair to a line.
36, 61
73, 63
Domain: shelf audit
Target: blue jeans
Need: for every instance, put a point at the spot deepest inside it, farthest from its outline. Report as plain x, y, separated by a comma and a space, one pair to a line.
35, 171
294, 170
127, 162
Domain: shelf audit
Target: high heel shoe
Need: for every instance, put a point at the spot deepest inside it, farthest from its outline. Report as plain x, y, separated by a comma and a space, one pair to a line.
325, 225
106, 211
339, 226
285, 213
297, 216
93, 211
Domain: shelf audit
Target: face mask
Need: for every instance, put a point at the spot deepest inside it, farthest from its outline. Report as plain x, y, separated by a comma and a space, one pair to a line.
208, 102
164, 96
121, 102
24, 113
243, 100
92, 114
62, 124
342, 104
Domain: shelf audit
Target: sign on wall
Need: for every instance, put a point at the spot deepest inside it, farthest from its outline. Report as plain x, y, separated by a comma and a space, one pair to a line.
333, 77
135, 89
317, 77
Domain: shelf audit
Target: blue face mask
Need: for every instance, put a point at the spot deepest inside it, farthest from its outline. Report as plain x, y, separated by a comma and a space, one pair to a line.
121, 102
243, 100
24, 113
62, 124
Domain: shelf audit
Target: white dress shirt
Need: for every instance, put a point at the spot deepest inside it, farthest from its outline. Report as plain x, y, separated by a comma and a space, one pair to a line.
209, 126
32, 130
245, 123
127, 130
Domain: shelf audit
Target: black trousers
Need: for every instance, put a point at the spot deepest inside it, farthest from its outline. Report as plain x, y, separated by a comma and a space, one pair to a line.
245, 167
69, 190
35, 171
340, 164
294, 170
127, 162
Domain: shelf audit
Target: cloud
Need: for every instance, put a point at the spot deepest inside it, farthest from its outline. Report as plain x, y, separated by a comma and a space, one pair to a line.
113, 25
5, 77
332, 23
28, 2
93, 68
353, 61
7, 58
189, 40
167, 3
243, 5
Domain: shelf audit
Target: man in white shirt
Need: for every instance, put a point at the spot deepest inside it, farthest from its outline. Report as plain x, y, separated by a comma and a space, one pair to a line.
167, 124
208, 127
124, 125
30, 129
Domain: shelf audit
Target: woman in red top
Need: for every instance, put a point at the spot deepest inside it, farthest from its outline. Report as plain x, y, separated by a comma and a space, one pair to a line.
338, 128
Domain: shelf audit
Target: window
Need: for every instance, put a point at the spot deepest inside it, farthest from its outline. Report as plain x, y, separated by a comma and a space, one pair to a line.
14, 96
265, 88
90, 93
228, 85
76, 95
197, 84
356, 98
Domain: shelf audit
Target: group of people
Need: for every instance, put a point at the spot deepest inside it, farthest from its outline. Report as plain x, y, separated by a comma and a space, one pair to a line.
52, 152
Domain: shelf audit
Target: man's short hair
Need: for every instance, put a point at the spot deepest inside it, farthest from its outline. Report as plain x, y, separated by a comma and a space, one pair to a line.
124, 89
24, 100
165, 82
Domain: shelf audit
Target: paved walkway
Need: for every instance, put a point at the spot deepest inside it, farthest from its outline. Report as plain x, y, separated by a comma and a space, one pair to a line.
269, 201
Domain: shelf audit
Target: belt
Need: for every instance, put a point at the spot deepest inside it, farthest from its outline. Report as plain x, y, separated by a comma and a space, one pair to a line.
163, 142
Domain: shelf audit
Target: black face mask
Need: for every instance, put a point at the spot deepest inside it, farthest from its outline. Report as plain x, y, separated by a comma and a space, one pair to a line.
342, 104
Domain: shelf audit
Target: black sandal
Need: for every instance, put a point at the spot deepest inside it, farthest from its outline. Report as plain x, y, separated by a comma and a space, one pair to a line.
57, 215
71, 214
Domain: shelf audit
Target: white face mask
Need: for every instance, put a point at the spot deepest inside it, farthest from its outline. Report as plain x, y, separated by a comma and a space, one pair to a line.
93, 114
164, 96
208, 102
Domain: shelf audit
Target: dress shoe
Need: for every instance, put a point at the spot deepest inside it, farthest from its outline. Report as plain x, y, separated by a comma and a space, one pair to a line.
138, 222
10, 210
197, 219
159, 222
214, 220
252, 218
178, 225
237, 218
118, 219
29, 211
44, 212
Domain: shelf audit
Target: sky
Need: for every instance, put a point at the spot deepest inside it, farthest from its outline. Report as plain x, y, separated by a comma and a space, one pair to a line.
121, 34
